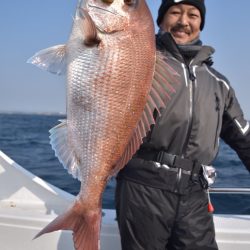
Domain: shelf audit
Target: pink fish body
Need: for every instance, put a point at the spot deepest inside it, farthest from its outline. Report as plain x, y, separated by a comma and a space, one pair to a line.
110, 61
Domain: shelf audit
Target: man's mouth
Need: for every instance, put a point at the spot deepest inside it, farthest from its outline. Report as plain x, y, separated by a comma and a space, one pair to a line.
179, 33
180, 30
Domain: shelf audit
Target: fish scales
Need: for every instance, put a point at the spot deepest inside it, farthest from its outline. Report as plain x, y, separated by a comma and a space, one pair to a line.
111, 96
107, 106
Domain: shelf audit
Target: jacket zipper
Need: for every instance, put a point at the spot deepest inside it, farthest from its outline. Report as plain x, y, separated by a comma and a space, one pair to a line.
191, 87
190, 81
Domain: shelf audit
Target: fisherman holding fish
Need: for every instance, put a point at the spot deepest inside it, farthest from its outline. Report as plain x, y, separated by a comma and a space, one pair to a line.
110, 60
122, 93
161, 198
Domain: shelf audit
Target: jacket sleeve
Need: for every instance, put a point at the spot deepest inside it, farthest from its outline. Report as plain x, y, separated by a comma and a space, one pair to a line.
235, 129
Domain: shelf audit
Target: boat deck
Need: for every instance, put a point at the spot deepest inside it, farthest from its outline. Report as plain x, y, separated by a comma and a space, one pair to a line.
27, 204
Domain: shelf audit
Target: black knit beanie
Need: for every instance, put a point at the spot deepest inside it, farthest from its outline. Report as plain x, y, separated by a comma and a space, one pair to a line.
166, 4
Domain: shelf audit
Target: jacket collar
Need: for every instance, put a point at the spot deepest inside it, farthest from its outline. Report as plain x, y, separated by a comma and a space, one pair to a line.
165, 42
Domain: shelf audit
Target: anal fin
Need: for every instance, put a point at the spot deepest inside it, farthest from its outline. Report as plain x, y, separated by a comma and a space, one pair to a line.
63, 150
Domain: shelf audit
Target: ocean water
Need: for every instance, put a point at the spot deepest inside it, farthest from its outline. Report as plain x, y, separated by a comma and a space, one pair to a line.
25, 138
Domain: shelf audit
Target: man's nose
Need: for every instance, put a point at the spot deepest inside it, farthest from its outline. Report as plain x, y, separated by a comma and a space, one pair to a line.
183, 19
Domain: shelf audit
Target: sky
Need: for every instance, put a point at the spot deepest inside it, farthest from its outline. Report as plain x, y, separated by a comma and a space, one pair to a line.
27, 26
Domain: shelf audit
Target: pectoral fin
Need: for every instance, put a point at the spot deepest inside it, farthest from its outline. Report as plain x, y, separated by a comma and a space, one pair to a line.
87, 27
52, 59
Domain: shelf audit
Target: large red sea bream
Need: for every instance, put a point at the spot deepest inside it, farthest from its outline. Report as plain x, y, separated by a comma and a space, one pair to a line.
115, 80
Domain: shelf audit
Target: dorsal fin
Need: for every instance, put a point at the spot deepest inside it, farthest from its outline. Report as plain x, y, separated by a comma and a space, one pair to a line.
163, 87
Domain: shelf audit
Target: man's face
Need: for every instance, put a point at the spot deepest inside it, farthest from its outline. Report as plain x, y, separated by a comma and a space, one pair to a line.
183, 22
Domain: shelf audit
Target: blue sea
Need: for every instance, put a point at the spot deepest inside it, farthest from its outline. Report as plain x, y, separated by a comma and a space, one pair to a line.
25, 138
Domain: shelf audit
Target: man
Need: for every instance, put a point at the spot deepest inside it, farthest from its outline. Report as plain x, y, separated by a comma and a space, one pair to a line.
161, 196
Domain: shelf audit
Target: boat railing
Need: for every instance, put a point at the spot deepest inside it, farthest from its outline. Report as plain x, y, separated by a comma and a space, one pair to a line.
229, 190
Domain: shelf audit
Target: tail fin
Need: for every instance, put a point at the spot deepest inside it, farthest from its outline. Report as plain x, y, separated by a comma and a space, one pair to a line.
85, 227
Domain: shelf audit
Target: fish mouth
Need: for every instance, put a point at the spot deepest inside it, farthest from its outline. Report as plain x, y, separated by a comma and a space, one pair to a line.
101, 10
114, 12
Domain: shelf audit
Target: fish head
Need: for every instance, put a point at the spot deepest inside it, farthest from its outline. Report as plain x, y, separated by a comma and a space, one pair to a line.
111, 16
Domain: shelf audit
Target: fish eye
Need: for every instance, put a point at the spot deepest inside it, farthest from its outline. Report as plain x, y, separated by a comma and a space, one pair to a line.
108, 1
130, 2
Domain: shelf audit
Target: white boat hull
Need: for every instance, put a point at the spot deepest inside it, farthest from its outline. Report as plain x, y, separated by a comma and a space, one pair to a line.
27, 204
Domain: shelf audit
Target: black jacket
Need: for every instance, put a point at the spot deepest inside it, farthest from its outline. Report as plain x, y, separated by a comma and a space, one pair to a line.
203, 109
